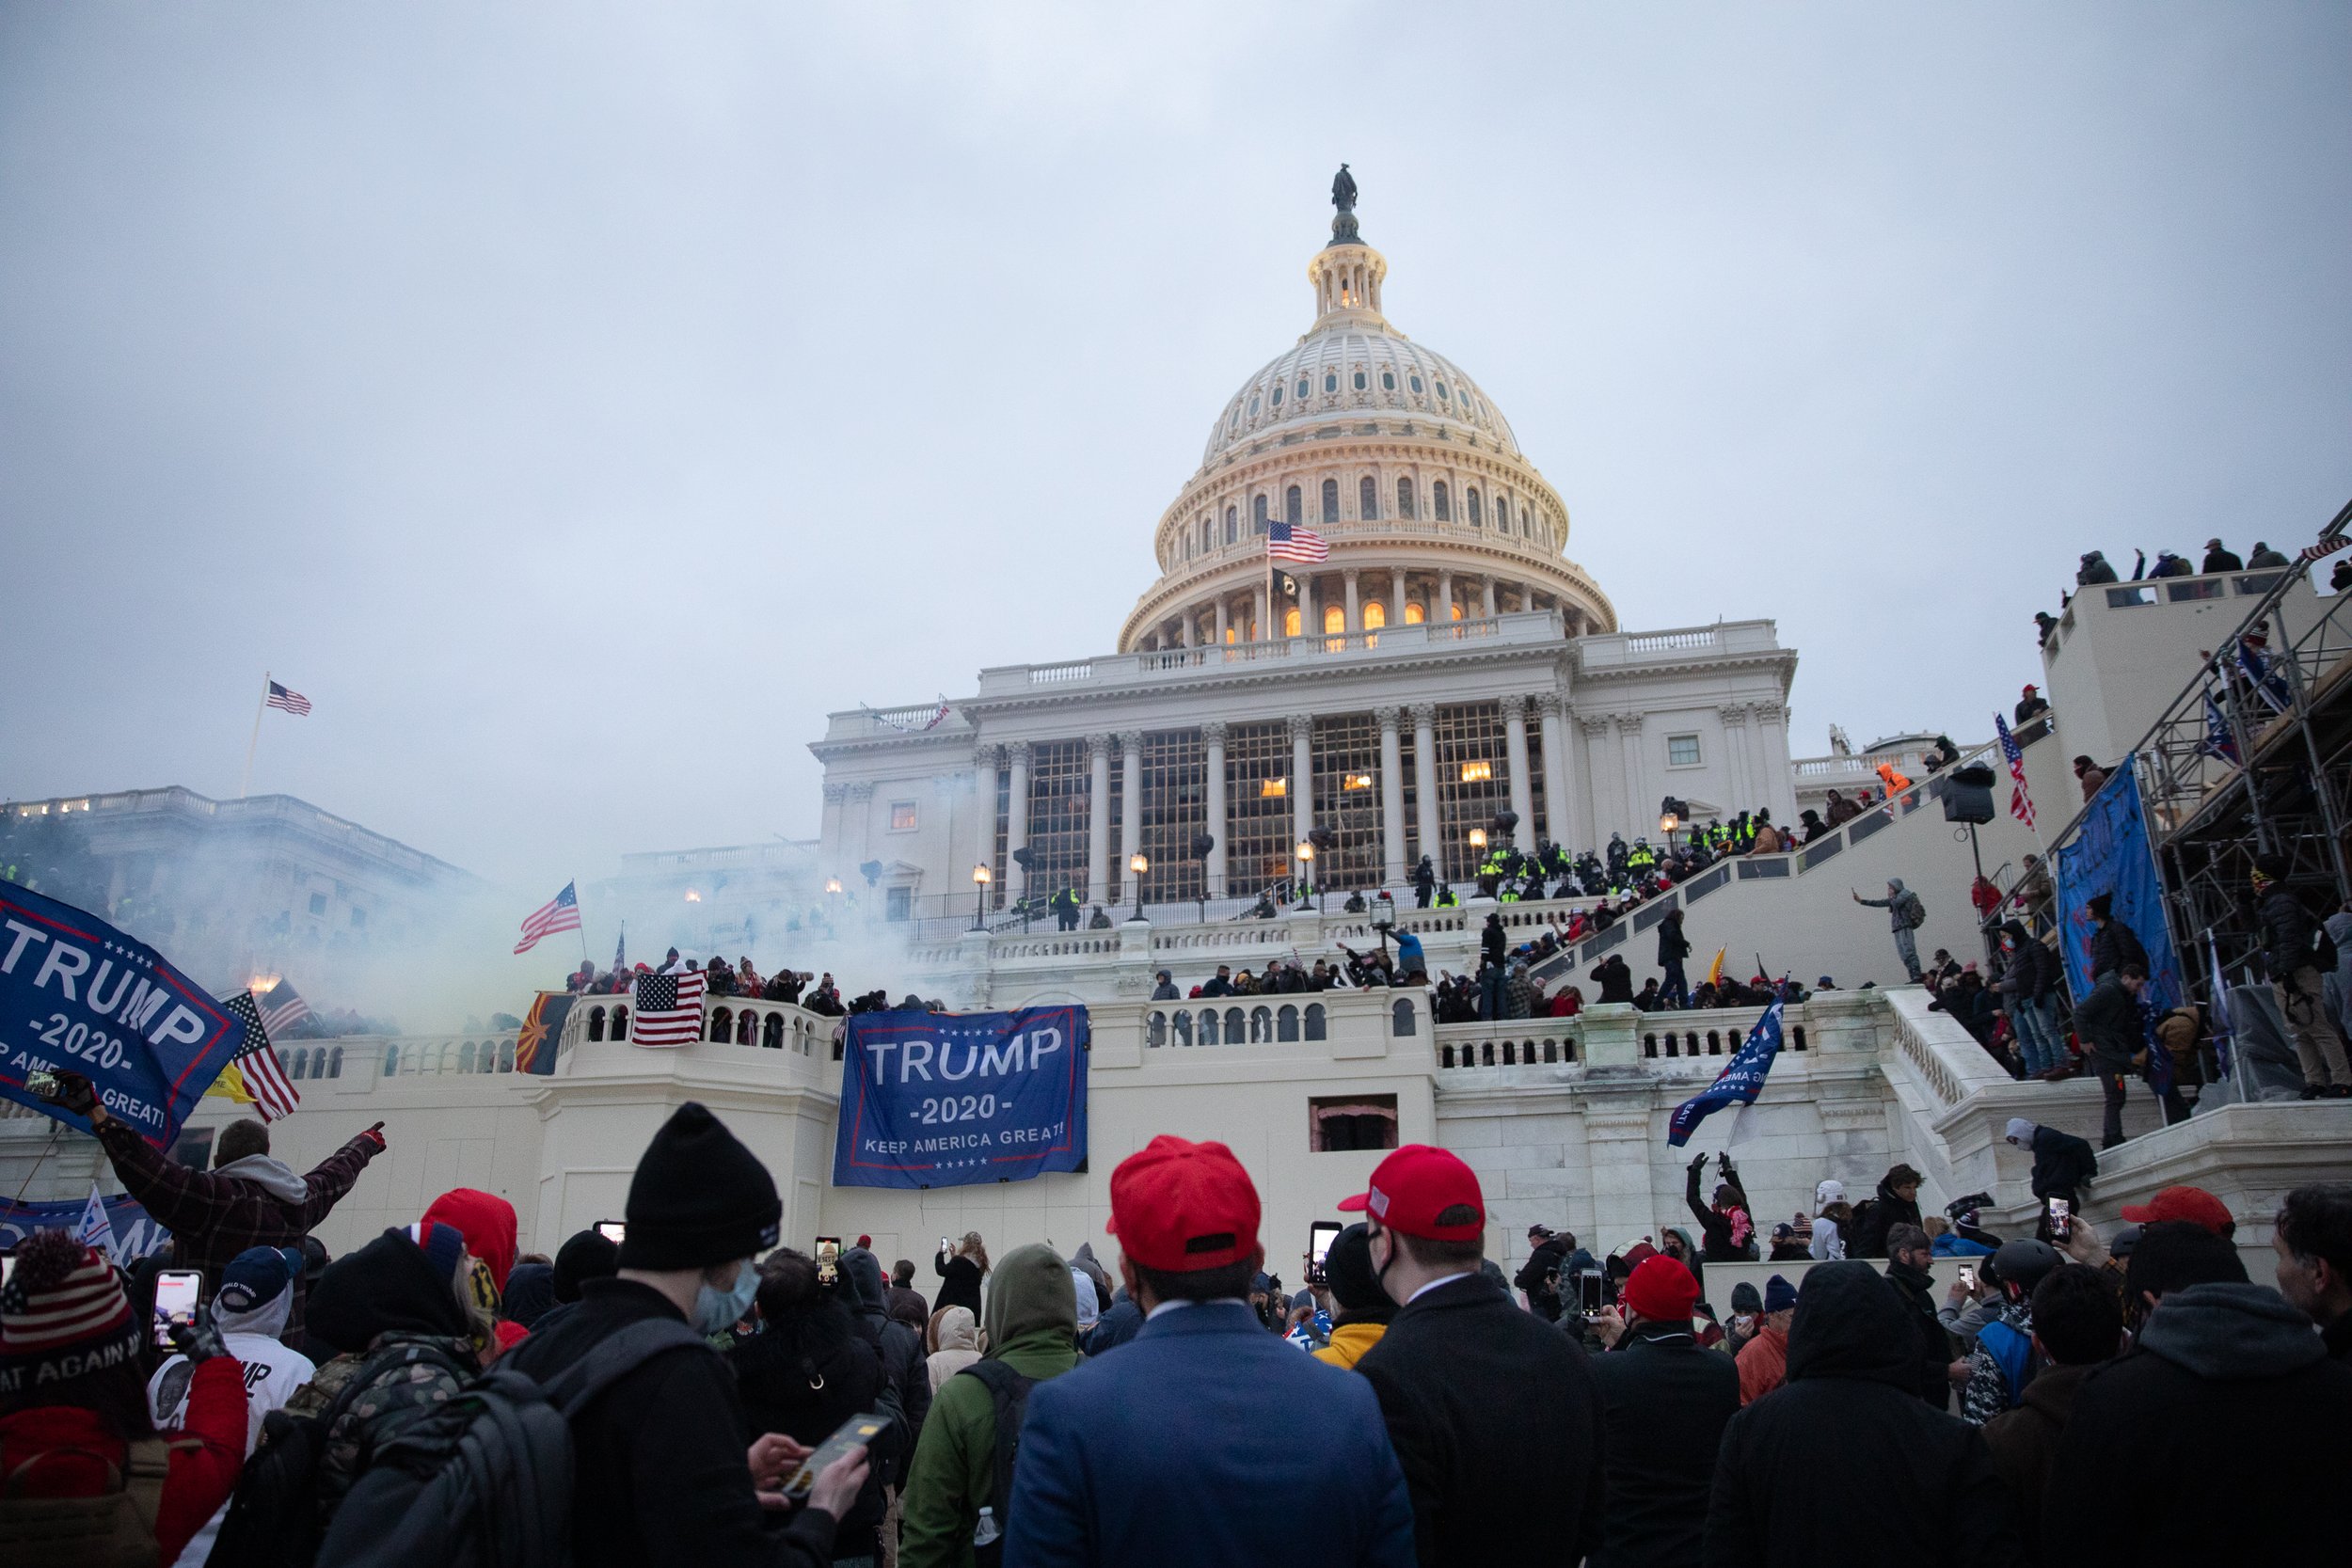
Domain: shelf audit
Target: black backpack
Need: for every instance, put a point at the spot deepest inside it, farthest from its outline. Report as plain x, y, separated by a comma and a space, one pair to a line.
1010, 1391
486, 1479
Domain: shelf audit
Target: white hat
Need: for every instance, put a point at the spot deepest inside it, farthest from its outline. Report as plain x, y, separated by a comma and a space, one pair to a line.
1828, 1193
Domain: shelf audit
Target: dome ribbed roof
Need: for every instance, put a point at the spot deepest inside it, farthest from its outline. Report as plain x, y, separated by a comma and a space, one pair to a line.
1348, 371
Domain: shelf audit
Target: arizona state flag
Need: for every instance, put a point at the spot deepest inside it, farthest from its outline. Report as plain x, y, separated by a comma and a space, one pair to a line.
534, 1051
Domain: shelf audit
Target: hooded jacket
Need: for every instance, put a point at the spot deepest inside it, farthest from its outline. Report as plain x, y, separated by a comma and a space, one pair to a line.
958, 1336
1032, 1327
901, 1347
2227, 1383
2062, 1162
1664, 1402
1870, 1229
803, 1374
2108, 1023
2024, 1443
1845, 1464
485, 1220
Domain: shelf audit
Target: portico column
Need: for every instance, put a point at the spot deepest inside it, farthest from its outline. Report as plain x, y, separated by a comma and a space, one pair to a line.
1392, 799
1735, 720
1017, 818
1559, 816
1309, 606
1443, 608
1772, 751
1212, 734
1221, 622
829, 828
1262, 627
1355, 617
1098, 819
1302, 778
1514, 757
983, 812
1129, 809
1396, 595
1489, 597
1606, 819
1629, 750
1184, 628
1425, 783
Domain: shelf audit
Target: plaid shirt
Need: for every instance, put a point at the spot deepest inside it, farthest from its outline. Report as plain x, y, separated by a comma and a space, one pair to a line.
213, 1217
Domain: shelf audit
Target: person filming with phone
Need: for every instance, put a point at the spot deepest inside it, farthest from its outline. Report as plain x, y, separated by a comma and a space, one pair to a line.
247, 1199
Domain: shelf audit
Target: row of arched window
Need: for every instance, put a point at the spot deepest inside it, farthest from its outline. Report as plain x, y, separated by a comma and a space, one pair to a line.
1259, 1025
1202, 538
469, 1056
1358, 379
317, 1061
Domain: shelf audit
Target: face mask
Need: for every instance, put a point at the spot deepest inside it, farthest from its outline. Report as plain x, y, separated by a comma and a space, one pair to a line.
715, 1310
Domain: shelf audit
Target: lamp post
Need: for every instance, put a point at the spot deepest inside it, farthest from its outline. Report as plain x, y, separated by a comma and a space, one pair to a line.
1139, 864
832, 902
979, 897
1306, 872
1667, 823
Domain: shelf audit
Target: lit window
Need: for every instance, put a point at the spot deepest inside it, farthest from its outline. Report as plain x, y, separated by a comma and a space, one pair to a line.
1289, 621
1414, 614
1269, 788
1458, 610
1334, 618
903, 816
1477, 773
1388, 381
1682, 750
1356, 781
1375, 615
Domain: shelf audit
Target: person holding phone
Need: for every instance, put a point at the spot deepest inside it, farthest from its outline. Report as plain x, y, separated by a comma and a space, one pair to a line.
661, 1474
961, 1265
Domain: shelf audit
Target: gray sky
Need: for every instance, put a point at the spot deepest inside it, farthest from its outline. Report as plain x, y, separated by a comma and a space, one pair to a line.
577, 402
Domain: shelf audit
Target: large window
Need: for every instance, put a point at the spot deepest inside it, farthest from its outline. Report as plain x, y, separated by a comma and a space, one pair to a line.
1257, 512
1477, 519
1502, 514
1474, 782
1367, 498
1347, 800
1257, 798
1439, 507
1405, 497
1682, 750
1294, 506
1175, 807
1060, 785
1330, 500
1343, 1123
1232, 525
903, 816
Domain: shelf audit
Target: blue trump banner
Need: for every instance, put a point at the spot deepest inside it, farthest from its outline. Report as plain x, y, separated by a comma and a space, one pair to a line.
76, 996
136, 1234
950, 1100
1738, 1083
2108, 857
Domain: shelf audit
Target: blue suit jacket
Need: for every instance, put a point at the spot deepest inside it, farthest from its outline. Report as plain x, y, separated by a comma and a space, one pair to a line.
1209, 1441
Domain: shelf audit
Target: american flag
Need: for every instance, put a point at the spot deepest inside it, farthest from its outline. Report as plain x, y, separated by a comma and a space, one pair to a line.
669, 1010
282, 1007
1289, 542
291, 701
559, 913
2221, 740
2020, 804
258, 1064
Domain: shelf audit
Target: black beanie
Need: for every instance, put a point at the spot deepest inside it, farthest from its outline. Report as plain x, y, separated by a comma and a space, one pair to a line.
1347, 1268
699, 1197
590, 1255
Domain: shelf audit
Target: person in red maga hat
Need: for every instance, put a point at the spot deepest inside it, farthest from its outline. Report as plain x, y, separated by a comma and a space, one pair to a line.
1487, 1405
1204, 1438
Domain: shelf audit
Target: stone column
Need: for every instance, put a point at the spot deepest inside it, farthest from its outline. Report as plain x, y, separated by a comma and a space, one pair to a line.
1302, 778
1736, 771
1778, 785
1443, 609
1606, 819
1391, 799
1222, 621
1355, 611
984, 761
1559, 812
1515, 757
1016, 818
829, 830
1130, 808
1638, 800
1184, 628
1489, 598
1396, 595
1098, 819
1212, 736
1425, 783
1262, 628
1309, 606
858, 821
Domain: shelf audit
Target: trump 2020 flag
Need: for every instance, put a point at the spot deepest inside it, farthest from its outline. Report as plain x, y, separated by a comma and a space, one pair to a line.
954, 1099
1738, 1083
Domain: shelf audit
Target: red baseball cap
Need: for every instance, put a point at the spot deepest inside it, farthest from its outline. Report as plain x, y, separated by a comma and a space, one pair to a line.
1416, 1184
1181, 1206
1661, 1291
2193, 1205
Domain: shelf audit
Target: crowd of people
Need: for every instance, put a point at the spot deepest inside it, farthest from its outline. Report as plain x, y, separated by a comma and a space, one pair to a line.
715, 1397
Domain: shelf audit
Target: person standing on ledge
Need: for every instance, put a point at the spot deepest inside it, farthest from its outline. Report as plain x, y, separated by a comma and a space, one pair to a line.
1905, 914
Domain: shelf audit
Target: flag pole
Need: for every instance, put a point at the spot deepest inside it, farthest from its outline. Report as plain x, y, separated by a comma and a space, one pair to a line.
244, 785
581, 930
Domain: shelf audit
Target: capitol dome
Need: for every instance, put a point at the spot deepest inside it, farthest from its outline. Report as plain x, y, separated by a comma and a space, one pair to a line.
1395, 459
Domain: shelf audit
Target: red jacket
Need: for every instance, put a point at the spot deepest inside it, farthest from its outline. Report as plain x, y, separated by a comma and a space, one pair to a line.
69, 1448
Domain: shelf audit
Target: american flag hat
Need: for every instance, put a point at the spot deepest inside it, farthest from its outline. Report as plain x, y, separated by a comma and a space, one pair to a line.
63, 1315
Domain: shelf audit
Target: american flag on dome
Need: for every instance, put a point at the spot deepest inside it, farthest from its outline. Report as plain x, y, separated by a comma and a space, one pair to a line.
2020, 804
669, 1010
1290, 542
263, 1078
290, 701
282, 1007
559, 913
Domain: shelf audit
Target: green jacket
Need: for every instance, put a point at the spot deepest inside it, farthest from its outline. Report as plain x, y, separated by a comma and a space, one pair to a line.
1031, 1323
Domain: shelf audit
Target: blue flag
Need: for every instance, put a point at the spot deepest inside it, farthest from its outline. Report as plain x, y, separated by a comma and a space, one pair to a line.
77, 995
953, 1099
1738, 1083
136, 1235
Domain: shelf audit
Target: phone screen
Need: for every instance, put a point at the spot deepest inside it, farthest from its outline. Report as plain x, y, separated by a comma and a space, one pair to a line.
1588, 1291
177, 1294
1967, 1276
1320, 1235
615, 1231
40, 1083
855, 1432
945, 1246
2061, 1218
828, 1261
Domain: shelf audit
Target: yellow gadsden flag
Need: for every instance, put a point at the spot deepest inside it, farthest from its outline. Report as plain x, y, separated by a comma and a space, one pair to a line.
1715, 970
231, 1085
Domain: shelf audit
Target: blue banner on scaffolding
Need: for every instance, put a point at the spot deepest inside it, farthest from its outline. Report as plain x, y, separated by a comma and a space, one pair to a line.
2109, 854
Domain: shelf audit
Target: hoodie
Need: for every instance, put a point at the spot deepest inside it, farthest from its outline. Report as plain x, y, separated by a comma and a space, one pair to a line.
959, 1336
2227, 1383
1846, 1463
1031, 1324
487, 1223
273, 1176
901, 1347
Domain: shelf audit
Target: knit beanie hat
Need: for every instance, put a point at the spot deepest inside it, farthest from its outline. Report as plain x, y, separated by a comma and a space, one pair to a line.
1779, 1296
529, 1293
63, 1315
1661, 1291
1355, 1284
590, 1255
699, 1197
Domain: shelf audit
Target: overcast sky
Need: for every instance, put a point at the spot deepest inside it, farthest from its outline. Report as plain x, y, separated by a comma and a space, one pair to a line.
579, 401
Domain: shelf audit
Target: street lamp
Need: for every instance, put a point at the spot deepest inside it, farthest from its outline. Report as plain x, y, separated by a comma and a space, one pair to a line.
1478, 838
979, 897
833, 901
1139, 864
1305, 873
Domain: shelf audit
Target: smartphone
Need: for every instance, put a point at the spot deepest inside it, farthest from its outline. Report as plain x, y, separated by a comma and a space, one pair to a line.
1588, 1291
945, 1246
40, 1083
615, 1231
1968, 1277
855, 1432
1320, 1235
2061, 1218
177, 1293
828, 1265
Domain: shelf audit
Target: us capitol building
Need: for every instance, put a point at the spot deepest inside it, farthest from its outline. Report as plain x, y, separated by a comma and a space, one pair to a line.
1446, 661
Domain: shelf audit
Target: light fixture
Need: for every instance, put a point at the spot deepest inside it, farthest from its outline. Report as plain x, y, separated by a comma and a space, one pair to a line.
1356, 781
1269, 788
1139, 864
1306, 850
979, 874
1478, 838
1668, 822
1477, 773
832, 885
693, 898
